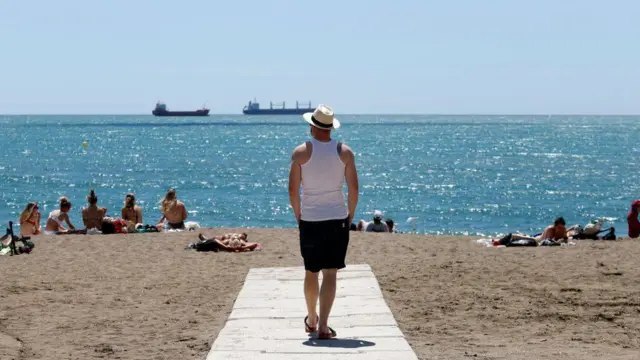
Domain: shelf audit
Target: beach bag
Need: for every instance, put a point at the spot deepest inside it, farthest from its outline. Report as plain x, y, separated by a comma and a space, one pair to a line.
611, 235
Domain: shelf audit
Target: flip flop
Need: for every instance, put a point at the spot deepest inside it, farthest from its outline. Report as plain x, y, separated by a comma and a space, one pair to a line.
329, 335
308, 328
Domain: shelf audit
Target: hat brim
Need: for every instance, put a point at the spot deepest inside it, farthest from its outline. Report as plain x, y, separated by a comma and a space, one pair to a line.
307, 118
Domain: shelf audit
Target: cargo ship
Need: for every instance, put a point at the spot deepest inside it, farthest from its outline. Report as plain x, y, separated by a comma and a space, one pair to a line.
253, 108
161, 110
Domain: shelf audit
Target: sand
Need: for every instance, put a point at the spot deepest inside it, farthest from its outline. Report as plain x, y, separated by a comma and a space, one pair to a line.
145, 297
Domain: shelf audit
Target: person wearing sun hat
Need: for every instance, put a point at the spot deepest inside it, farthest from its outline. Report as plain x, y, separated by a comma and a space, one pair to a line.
377, 225
320, 166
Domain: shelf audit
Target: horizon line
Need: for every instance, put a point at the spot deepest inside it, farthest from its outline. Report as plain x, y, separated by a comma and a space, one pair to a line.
337, 114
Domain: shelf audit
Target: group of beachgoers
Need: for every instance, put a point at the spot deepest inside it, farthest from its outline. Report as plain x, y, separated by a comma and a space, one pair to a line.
174, 214
377, 224
96, 220
558, 233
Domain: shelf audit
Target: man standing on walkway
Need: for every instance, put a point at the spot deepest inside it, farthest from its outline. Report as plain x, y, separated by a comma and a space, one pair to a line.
320, 166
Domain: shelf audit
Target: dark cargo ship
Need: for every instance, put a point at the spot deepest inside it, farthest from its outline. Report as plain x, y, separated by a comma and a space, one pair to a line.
161, 110
253, 108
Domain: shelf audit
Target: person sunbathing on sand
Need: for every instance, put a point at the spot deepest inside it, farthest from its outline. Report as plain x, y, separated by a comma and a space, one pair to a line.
556, 232
131, 211
173, 210
57, 217
30, 220
92, 215
232, 242
111, 225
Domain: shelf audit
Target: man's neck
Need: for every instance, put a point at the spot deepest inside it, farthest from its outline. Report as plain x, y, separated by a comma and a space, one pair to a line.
322, 138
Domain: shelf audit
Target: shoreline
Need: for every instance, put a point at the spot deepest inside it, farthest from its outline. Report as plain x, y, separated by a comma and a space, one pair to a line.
144, 296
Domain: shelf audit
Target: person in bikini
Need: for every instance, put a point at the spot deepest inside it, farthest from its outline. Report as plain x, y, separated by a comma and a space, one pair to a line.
57, 217
92, 215
232, 242
173, 211
131, 211
30, 220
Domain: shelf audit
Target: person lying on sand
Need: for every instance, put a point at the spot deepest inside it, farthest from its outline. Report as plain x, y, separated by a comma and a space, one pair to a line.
92, 215
111, 225
30, 220
232, 242
555, 232
174, 211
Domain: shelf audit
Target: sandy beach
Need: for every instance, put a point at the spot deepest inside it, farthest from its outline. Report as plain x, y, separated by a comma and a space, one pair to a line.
144, 296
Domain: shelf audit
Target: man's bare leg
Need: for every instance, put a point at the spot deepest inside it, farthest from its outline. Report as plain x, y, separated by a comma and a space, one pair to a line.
311, 291
327, 296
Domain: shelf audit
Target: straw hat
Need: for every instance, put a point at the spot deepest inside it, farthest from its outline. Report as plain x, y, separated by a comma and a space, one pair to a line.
322, 118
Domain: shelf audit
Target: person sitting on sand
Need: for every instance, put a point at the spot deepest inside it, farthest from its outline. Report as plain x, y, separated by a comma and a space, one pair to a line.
131, 211
30, 220
174, 211
377, 225
57, 217
632, 220
232, 242
92, 215
390, 225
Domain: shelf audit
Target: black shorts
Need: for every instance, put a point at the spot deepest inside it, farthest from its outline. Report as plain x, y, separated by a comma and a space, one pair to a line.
323, 244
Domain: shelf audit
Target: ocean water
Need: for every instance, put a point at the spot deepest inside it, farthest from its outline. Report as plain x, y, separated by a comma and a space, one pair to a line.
476, 175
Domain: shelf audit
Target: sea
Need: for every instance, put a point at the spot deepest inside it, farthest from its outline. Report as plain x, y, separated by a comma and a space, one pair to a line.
479, 175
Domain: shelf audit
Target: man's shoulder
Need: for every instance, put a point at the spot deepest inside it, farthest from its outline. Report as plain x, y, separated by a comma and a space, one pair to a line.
345, 152
303, 147
301, 152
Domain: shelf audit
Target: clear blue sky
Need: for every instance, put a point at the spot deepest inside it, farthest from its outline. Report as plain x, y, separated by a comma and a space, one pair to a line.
373, 56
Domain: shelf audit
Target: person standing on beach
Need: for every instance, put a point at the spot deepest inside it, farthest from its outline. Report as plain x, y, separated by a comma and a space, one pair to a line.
320, 166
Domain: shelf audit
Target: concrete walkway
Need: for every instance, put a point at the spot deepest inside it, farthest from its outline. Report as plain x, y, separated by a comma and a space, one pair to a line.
267, 320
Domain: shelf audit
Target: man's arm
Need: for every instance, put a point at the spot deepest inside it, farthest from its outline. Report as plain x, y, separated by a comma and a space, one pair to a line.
68, 221
295, 179
547, 233
139, 213
351, 175
184, 212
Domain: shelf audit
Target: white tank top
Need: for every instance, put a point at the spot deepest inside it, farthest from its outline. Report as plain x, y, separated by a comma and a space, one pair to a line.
322, 184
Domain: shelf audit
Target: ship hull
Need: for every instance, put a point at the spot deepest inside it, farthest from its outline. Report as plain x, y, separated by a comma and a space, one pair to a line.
275, 111
181, 113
